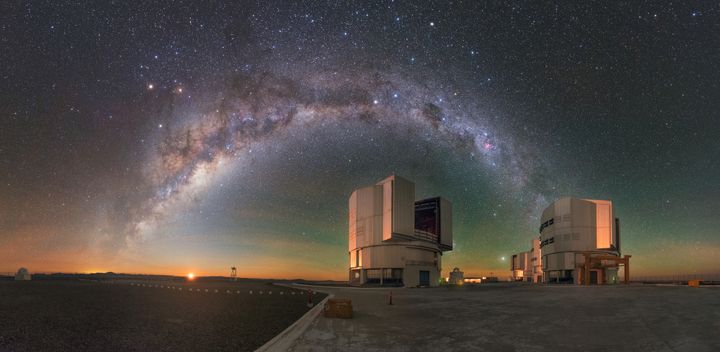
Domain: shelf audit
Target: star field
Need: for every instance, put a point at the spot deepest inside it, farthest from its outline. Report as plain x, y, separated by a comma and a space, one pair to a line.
175, 136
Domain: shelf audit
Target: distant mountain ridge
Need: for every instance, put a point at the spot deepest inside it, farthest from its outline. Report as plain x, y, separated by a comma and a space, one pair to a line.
121, 276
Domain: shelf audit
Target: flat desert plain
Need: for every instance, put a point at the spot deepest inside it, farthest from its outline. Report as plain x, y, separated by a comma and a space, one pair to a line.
75, 315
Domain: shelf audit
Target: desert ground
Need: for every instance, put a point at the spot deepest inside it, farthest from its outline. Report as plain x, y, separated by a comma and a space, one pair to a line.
142, 315
75, 315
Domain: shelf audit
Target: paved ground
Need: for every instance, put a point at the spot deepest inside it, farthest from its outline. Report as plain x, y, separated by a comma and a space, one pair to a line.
502, 317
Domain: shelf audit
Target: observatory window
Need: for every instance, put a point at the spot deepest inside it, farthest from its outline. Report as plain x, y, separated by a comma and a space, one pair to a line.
543, 226
373, 276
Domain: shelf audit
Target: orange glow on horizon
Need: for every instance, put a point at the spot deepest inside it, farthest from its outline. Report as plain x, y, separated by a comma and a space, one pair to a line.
683, 259
191, 276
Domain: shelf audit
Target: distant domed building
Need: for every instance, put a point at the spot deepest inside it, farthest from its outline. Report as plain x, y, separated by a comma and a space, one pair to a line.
22, 275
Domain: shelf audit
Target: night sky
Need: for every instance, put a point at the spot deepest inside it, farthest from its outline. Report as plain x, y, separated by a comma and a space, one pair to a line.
194, 136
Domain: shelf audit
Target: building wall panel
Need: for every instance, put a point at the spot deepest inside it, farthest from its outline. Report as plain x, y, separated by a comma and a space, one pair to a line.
605, 223
387, 219
446, 229
403, 202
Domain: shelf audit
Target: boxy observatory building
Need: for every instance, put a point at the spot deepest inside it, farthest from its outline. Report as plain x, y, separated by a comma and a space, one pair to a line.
527, 266
395, 240
580, 241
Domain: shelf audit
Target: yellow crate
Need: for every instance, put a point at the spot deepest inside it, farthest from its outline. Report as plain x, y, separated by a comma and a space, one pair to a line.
338, 308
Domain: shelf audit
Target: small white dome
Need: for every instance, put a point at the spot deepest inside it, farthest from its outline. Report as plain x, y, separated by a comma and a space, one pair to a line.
22, 274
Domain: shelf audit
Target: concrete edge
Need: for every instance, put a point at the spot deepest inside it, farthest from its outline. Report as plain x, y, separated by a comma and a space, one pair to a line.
285, 339
321, 287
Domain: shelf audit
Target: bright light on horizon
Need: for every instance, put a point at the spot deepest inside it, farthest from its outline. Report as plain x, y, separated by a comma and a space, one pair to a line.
191, 276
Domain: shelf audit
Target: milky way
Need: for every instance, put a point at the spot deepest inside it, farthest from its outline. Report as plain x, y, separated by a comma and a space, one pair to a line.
259, 107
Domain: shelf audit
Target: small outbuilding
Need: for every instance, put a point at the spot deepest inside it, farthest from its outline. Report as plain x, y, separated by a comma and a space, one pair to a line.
456, 277
22, 275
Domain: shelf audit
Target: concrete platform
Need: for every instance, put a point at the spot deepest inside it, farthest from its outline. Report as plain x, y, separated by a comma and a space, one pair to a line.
504, 317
